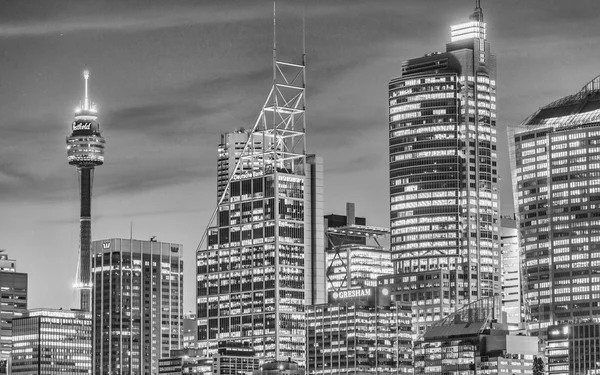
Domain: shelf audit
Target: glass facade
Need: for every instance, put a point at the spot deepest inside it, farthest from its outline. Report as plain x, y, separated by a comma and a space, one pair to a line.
511, 273
251, 277
52, 342
444, 177
474, 340
555, 157
13, 304
358, 333
574, 348
137, 304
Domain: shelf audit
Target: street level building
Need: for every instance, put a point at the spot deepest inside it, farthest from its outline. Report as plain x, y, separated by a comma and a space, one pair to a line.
85, 150
355, 257
137, 304
511, 273
474, 340
574, 348
555, 157
263, 259
13, 304
52, 341
445, 223
360, 331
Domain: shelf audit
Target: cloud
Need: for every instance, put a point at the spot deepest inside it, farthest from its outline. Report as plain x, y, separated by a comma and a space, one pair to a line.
127, 18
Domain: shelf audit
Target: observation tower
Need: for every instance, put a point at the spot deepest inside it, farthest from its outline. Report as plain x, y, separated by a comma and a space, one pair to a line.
85, 150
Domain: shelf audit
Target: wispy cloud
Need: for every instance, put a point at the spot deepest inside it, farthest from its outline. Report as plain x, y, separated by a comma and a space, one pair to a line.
143, 19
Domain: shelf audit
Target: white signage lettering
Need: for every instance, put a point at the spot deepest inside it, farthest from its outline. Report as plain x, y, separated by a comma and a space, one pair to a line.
353, 293
82, 125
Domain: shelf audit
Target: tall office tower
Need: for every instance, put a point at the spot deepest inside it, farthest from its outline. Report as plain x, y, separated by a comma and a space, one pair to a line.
444, 175
355, 257
52, 341
85, 150
13, 304
264, 259
137, 304
555, 160
511, 272
229, 151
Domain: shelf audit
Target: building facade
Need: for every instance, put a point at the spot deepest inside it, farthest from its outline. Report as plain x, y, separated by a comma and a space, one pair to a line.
360, 331
137, 304
85, 150
511, 272
444, 175
474, 340
355, 256
230, 150
555, 157
263, 259
574, 348
13, 304
52, 341
280, 368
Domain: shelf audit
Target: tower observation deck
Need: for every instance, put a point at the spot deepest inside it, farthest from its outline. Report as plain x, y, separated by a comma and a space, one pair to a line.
85, 150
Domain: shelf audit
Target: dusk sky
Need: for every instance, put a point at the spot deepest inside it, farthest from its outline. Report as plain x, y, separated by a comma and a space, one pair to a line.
169, 76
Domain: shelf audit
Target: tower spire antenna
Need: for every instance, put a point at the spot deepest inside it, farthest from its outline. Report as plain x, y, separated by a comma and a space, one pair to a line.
86, 99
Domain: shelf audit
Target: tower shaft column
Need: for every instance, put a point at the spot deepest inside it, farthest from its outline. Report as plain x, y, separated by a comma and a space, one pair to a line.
86, 176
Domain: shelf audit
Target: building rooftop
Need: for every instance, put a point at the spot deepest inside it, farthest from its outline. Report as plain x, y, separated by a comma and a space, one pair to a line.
582, 108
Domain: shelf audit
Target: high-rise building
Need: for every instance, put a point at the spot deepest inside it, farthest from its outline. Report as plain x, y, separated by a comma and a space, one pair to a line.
229, 151
355, 256
511, 272
13, 304
474, 340
85, 150
52, 341
264, 259
137, 304
555, 164
360, 331
444, 176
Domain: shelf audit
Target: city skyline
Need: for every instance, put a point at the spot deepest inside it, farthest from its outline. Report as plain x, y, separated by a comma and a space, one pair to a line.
165, 90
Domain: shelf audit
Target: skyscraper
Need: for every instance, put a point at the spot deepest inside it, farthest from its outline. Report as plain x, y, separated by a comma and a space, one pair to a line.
263, 259
229, 151
52, 341
137, 304
444, 176
555, 160
13, 304
85, 150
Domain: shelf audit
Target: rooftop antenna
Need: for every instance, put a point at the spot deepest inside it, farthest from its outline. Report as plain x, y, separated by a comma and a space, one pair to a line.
86, 100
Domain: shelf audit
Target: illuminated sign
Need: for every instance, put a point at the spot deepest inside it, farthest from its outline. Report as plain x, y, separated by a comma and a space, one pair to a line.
558, 332
353, 293
106, 245
82, 125
246, 175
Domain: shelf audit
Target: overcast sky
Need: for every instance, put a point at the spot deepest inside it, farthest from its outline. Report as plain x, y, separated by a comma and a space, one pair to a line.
169, 76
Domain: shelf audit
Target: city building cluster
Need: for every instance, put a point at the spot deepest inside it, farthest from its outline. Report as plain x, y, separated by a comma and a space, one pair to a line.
453, 286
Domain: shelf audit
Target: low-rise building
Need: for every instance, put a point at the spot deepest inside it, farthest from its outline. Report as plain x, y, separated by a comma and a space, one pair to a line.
358, 331
50, 341
474, 340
